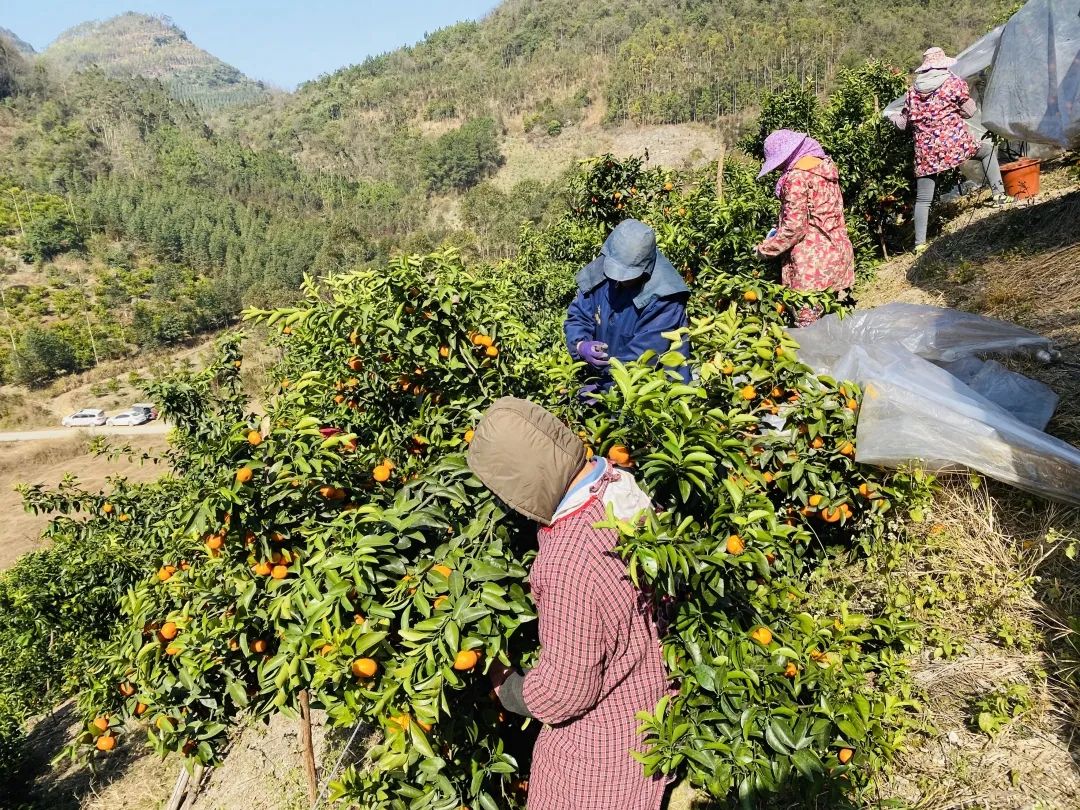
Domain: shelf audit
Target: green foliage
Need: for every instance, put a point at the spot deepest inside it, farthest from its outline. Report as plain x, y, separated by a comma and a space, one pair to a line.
1000, 708
461, 158
42, 354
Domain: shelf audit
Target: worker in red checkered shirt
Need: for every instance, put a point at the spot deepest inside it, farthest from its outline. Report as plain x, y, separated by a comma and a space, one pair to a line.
600, 662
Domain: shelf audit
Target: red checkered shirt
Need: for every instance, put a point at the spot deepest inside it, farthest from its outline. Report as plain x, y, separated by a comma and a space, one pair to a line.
600, 664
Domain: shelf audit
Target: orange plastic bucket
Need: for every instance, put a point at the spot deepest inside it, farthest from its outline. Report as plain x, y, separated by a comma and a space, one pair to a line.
1021, 178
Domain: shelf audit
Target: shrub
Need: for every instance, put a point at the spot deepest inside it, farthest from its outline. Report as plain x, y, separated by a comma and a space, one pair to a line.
41, 355
461, 158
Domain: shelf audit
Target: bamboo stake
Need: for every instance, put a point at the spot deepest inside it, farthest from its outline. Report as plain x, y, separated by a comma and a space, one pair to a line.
308, 750
179, 789
193, 787
720, 172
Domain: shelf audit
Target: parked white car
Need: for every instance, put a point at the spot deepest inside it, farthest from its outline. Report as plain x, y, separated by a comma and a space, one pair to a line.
130, 417
87, 417
149, 407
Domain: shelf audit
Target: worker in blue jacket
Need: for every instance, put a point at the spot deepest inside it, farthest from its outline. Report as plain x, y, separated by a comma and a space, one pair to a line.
627, 298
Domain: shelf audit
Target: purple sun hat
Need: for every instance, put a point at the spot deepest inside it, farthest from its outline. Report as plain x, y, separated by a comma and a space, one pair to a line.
779, 146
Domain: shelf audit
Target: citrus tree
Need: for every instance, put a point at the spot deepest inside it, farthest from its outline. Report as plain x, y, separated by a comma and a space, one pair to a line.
337, 543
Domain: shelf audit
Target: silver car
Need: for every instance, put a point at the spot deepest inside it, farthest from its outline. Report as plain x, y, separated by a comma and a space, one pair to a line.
87, 417
130, 417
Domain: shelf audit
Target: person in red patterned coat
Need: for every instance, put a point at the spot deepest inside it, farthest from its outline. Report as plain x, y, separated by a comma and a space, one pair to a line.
600, 661
811, 237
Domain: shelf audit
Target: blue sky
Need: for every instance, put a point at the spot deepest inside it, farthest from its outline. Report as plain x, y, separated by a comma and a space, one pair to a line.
283, 43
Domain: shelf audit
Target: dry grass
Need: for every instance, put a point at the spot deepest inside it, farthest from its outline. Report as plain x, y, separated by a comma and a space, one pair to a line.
1010, 629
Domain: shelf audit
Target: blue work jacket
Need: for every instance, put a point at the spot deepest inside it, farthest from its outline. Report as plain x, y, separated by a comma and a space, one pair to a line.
629, 319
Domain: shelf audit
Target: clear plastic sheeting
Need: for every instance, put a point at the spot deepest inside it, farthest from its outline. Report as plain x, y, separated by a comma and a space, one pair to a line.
929, 398
1034, 89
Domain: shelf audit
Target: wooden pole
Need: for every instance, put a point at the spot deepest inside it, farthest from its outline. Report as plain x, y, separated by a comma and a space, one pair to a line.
193, 787
179, 789
307, 748
720, 172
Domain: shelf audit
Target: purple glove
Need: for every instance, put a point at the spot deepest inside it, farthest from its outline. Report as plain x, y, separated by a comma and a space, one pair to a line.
587, 394
593, 352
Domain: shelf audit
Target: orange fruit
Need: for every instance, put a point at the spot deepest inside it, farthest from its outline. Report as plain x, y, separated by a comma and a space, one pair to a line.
727, 369
102, 723
106, 742
735, 545
469, 435
364, 667
762, 635
750, 295
466, 660
168, 631
790, 671
262, 569
140, 709
815, 500
492, 351
427, 727
355, 364
444, 352
279, 571
482, 340
243, 475
254, 438
852, 405
442, 569
165, 572
769, 477
747, 392
847, 449
845, 755
172, 649
326, 649
339, 399
817, 443
124, 517
619, 455
401, 721
214, 542
381, 473
354, 337
287, 330
779, 308
440, 601
127, 689
865, 491
107, 508
832, 515
258, 646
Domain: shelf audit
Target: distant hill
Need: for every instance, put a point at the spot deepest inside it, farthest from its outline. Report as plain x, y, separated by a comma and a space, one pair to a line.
155, 48
539, 67
21, 45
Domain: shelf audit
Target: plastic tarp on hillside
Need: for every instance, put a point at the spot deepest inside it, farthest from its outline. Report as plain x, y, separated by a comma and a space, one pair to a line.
930, 399
1034, 89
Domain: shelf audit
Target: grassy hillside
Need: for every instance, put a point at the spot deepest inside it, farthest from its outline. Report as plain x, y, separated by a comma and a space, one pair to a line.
542, 66
153, 47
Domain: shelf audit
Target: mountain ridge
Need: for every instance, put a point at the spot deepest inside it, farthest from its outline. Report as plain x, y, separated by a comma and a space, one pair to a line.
21, 45
154, 47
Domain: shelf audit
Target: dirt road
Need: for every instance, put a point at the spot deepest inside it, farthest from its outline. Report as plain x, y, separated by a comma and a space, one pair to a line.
152, 429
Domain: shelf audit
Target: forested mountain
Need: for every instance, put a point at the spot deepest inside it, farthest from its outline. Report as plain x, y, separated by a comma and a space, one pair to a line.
21, 45
544, 65
125, 222
153, 47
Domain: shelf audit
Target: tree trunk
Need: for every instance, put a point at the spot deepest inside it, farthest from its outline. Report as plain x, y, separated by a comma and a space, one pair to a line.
307, 748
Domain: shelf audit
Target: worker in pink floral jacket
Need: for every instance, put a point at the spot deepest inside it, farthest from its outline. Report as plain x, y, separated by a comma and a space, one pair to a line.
811, 237
935, 109
600, 660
